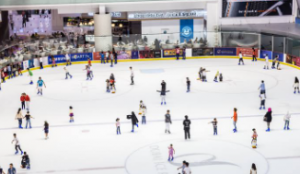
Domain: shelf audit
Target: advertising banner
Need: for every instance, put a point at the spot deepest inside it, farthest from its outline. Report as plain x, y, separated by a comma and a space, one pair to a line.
124, 54
246, 52
58, 59
202, 52
171, 53
263, 54
225, 51
150, 54
293, 60
253, 8
280, 56
135, 54
81, 57
96, 56
186, 30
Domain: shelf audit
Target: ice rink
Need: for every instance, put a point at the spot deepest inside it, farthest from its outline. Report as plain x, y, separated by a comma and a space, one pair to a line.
91, 146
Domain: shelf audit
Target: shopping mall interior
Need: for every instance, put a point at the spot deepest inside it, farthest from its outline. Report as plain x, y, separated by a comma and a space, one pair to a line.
67, 58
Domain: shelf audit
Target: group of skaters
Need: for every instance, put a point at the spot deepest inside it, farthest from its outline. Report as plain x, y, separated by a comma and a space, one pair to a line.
202, 75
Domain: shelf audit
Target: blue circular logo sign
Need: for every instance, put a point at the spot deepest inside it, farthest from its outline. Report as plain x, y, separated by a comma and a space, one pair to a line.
186, 31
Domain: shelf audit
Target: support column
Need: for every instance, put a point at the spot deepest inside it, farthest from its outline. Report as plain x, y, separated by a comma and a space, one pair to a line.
212, 23
103, 34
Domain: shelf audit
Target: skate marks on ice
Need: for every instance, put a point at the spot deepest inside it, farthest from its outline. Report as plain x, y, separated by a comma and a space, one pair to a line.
152, 71
204, 156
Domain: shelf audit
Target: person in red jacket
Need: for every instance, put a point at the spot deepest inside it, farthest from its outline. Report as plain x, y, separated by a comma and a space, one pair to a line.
22, 99
27, 100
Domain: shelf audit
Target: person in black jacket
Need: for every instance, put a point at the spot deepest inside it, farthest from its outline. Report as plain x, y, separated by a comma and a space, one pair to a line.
188, 83
168, 121
134, 120
268, 118
25, 163
186, 127
163, 85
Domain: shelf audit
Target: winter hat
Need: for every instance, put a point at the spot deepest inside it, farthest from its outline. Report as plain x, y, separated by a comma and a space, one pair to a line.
269, 110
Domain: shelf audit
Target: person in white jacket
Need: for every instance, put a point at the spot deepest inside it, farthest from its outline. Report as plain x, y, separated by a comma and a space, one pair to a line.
267, 62
253, 169
286, 120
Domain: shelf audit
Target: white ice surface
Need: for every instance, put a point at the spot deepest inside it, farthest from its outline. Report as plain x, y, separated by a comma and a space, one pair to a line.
91, 146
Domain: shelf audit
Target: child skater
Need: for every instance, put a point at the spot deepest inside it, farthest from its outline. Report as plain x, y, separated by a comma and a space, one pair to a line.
200, 74
188, 84
163, 96
88, 74
141, 107
168, 121
215, 125
254, 139
46, 129
71, 115
262, 101
296, 85
144, 111
241, 58
40, 84
234, 120
30, 74
67, 73
107, 85
286, 119
267, 62
118, 126
204, 75
112, 86
274, 62
221, 78
171, 152
216, 77
134, 120
53, 62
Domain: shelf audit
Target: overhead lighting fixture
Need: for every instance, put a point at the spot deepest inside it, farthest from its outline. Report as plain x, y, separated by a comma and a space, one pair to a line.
120, 25
113, 25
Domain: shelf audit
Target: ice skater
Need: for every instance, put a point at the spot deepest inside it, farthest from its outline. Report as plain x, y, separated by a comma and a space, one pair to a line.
28, 118
186, 127
267, 62
118, 126
253, 169
163, 96
107, 85
187, 169
134, 120
67, 73
262, 101
1, 170
163, 85
262, 88
71, 114
46, 129
268, 119
168, 122
188, 84
253, 55
215, 126
286, 119
19, 117
204, 71
254, 139
141, 106
11, 169
274, 62
30, 74
27, 101
107, 56
25, 162
39, 85
112, 60
144, 112
221, 78
182, 167
89, 62
88, 73
235, 118
112, 86
68, 60
200, 74
91, 71
216, 77
171, 152
131, 76
22, 99
53, 62
296, 85
102, 55
241, 59
17, 144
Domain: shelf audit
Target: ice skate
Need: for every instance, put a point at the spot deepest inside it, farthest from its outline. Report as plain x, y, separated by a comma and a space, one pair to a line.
288, 128
165, 103
21, 152
16, 152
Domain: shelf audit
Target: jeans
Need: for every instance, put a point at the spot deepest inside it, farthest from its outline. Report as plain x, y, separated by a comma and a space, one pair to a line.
20, 122
177, 56
143, 119
28, 122
187, 134
215, 131
188, 87
118, 130
116, 61
241, 60
103, 61
68, 74
23, 104
41, 65
234, 124
287, 123
254, 58
112, 62
18, 147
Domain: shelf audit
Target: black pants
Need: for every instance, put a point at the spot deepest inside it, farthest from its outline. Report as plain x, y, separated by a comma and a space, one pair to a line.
132, 80
41, 65
254, 58
23, 104
187, 134
18, 147
241, 60
262, 103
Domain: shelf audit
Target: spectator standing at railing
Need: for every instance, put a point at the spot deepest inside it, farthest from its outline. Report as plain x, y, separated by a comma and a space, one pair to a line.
115, 55
9, 71
254, 56
68, 59
107, 56
177, 52
111, 59
3, 76
41, 63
